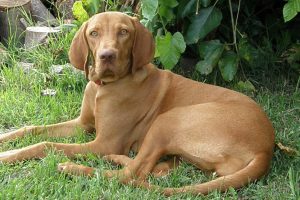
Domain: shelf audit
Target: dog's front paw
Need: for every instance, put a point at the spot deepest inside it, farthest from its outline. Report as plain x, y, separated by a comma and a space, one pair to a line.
67, 167
9, 156
75, 169
5, 137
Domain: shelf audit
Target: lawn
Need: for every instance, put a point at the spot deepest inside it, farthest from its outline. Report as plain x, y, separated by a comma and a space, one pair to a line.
21, 103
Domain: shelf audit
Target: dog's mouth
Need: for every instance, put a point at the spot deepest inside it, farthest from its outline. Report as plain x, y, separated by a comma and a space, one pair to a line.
107, 74
101, 77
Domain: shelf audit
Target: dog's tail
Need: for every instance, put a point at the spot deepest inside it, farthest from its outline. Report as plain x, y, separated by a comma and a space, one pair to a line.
254, 170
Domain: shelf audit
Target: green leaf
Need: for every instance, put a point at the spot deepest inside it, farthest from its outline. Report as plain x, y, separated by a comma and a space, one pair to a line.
228, 65
79, 12
206, 48
211, 52
188, 8
207, 20
293, 57
149, 8
169, 48
178, 42
205, 3
148, 24
91, 6
169, 3
166, 12
205, 67
166, 9
247, 52
245, 86
290, 9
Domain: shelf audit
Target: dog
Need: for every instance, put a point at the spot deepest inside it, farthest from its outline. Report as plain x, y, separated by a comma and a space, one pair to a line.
134, 106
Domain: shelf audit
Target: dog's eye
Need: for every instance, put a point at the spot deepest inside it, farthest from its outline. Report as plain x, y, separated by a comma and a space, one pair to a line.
94, 33
123, 32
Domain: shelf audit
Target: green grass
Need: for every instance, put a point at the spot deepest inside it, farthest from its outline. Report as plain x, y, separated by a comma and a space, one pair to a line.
21, 103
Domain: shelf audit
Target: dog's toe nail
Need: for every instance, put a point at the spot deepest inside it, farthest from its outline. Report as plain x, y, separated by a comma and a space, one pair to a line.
61, 167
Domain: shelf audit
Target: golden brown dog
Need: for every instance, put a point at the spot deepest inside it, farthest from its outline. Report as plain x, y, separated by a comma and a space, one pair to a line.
132, 105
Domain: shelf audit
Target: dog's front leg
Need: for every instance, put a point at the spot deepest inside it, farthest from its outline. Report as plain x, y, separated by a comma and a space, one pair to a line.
38, 151
55, 130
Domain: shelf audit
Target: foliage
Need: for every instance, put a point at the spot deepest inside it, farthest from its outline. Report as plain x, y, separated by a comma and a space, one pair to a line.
293, 56
214, 36
149, 8
195, 25
290, 9
169, 48
227, 65
222, 36
79, 12
202, 24
210, 52
83, 9
92, 6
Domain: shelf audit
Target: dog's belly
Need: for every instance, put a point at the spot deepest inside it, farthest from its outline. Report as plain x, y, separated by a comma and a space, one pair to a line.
221, 137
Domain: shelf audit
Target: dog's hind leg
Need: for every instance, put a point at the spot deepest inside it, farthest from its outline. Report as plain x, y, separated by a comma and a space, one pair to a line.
164, 168
254, 170
160, 169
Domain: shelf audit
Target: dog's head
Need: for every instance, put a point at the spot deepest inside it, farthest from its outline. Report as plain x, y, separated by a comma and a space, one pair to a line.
116, 43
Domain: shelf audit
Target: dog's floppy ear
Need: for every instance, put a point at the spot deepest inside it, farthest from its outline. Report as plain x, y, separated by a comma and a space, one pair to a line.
143, 46
79, 50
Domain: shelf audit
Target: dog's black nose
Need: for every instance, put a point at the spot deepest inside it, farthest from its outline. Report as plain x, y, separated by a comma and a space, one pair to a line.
107, 55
